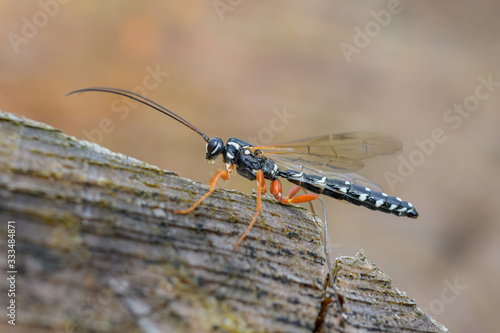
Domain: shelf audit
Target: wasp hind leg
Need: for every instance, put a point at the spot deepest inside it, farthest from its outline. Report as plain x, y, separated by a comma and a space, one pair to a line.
291, 197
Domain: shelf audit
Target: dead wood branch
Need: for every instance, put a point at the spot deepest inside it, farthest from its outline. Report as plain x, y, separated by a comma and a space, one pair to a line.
99, 249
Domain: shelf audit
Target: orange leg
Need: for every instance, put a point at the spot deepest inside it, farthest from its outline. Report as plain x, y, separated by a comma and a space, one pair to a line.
293, 191
277, 191
224, 174
261, 188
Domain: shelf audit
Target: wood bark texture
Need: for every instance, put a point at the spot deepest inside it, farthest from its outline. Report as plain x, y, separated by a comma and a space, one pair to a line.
100, 249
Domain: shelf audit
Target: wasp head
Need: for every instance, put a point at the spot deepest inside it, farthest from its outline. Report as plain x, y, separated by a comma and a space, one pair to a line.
214, 148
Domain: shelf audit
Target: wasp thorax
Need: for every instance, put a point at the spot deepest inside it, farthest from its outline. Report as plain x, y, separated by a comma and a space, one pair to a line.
214, 148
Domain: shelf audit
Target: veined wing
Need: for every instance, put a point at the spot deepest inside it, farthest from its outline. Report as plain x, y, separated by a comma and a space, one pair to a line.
288, 162
352, 145
333, 156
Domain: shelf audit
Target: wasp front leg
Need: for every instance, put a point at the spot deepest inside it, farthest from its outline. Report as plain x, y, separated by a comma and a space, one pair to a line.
224, 174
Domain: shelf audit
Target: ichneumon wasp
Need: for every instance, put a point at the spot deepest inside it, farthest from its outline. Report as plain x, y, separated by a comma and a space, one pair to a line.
322, 165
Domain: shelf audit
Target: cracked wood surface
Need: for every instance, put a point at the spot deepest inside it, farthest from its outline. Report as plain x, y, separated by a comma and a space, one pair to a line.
99, 249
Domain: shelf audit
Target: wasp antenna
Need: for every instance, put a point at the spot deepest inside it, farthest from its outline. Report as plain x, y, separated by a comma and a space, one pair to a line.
145, 101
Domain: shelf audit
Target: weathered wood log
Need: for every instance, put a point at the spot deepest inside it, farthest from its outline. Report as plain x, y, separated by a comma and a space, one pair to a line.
98, 248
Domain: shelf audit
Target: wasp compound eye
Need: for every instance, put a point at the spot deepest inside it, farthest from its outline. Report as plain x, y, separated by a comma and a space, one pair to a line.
214, 148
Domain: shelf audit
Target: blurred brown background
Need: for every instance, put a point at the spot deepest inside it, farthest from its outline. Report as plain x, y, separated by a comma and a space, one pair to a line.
279, 71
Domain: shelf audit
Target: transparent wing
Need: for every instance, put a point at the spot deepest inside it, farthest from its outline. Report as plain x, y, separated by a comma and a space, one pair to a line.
339, 150
333, 156
329, 172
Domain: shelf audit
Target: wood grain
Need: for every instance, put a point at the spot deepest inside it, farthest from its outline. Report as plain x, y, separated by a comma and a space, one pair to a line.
99, 249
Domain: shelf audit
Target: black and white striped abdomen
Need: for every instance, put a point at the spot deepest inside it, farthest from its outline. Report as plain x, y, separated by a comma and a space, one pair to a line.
353, 193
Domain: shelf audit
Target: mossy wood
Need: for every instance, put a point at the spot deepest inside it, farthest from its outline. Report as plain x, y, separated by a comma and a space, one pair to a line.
99, 249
